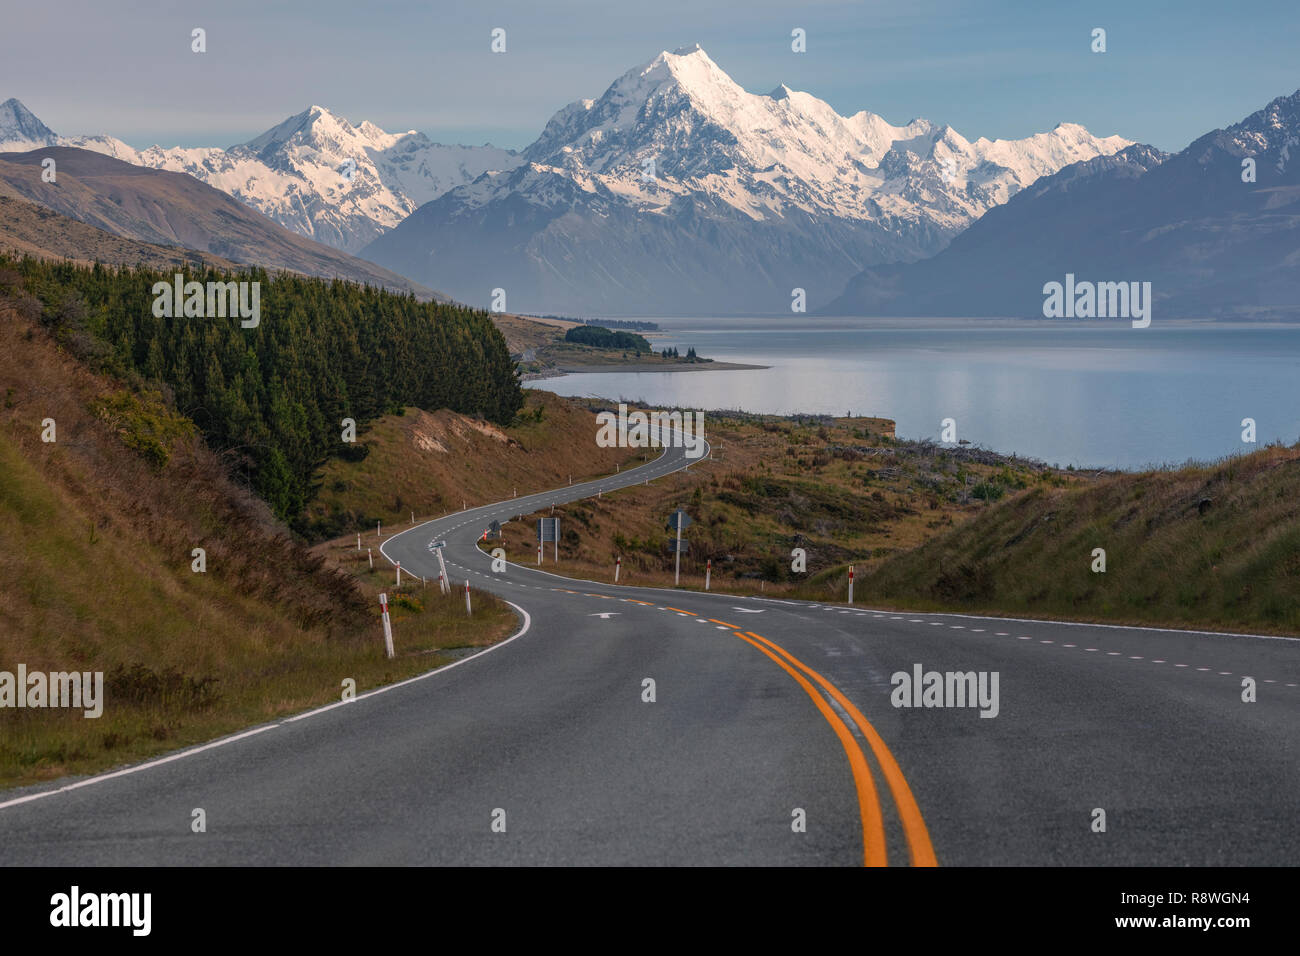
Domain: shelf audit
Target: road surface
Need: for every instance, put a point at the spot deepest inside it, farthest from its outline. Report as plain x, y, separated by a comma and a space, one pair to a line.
771, 738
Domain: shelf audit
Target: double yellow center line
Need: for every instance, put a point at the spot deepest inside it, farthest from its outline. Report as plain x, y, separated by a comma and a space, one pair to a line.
874, 850
873, 826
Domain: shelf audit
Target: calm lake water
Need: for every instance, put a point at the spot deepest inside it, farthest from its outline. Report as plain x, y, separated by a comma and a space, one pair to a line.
1097, 394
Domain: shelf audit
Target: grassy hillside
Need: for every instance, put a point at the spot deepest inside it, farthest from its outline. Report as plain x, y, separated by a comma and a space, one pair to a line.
96, 536
841, 489
432, 463
1214, 546
1210, 546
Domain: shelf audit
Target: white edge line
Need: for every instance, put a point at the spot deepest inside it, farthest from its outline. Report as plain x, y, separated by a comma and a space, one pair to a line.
528, 622
125, 771
1115, 627
143, 766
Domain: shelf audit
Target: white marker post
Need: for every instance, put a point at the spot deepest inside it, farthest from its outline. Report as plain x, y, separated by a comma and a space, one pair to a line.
468, 609
618, 563
388, 627
371, 554
850, 584
358, 540
412, 517
399, 574
708, 571
539, 554
444, 579
379, 529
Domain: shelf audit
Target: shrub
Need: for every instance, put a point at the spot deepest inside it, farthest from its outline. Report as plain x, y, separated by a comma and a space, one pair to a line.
603, 338
140, 684
144, 424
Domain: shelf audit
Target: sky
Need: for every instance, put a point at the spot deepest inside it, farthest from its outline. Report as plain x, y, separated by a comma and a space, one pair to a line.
1172, 70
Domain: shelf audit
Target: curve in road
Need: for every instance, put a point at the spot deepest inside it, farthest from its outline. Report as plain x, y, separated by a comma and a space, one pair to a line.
762, 742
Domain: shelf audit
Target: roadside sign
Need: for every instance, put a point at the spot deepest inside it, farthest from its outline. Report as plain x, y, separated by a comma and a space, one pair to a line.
679, 521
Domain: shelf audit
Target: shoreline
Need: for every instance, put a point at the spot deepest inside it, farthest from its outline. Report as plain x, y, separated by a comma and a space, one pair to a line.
561, 370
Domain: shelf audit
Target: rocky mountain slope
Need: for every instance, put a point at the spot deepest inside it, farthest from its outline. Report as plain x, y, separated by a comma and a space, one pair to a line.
1210, 243
677, 191
315, 174
173, 209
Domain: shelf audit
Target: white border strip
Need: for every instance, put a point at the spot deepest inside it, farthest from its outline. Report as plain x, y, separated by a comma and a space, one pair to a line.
881, 610
28, 798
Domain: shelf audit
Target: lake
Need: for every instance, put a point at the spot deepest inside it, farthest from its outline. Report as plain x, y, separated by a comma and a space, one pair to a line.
1099, 394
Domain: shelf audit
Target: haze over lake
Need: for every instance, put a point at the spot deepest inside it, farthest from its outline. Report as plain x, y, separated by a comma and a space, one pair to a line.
1085, 393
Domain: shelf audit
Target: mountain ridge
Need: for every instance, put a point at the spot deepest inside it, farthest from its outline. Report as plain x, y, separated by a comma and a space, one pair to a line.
313, 173
677, 191
166, 208
1212, 244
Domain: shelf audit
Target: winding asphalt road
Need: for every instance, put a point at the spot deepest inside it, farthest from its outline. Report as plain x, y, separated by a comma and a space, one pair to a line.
771, 739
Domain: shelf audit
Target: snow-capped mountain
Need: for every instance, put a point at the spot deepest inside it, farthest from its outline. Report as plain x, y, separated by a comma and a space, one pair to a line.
1214, 229
315, 173
677, 191
21, 131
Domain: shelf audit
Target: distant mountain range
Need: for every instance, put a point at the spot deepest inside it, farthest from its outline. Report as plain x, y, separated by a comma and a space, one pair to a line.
1210, 244
315, 173
676, 192
169, 209
679, 192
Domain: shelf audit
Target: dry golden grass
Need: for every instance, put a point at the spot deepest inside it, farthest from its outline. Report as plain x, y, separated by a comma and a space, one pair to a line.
435, 463
95, 556
1211, 546
842, 489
